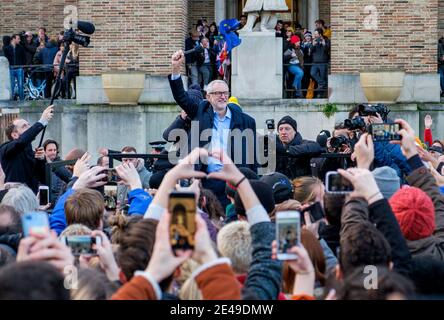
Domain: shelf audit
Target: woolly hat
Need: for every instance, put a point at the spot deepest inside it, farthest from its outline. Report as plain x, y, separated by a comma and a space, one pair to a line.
415, 213
387, 180
294, 39
288, 120
281, 186
263, 191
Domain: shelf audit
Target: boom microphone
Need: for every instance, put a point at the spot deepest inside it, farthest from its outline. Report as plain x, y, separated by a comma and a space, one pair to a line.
86, 27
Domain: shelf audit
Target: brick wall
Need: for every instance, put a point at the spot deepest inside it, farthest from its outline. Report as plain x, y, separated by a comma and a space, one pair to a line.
405, 37
18, 15
441, 17
133, 34
324, 11
198, 9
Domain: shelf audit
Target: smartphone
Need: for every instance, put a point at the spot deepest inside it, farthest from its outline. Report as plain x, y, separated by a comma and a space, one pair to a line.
110, 197
385, 131
288, 233
43, 195
316, 212
35, 222
81, 245
335, 183
182, 206
112, 177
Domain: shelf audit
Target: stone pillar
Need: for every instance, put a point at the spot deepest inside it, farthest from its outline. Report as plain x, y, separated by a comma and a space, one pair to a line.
302, 13
231, 10
257, 67
5, 80
313, 13
219, 10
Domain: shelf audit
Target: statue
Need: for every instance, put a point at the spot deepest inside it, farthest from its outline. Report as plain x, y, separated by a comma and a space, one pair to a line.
267, 10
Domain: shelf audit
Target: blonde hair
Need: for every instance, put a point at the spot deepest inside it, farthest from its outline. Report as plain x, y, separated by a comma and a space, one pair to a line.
234, 242
305, 189
190, 290
76, 229
285, 206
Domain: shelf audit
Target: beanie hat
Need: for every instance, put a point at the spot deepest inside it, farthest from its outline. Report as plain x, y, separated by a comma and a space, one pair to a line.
263, 191
387, 180
288, 120
415, 213
195, 93
233, 100
294, 39
281, 186
308, 34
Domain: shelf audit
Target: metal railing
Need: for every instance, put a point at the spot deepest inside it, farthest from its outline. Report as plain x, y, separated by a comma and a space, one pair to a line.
289, 91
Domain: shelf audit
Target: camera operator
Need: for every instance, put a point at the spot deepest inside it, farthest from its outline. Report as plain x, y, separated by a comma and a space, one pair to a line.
386, 154
341, 143
294, 153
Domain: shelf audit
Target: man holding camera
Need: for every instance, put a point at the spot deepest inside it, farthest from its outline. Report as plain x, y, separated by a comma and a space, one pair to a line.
293, 153
320, 53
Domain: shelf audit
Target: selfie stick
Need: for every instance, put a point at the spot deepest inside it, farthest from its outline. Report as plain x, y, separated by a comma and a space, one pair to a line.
58, 84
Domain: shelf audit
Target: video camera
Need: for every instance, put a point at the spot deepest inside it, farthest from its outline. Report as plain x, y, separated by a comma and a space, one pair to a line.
73, 36
366, 110
270, 124
337, 142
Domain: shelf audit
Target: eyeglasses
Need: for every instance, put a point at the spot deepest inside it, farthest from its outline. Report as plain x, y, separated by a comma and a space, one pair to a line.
221, 93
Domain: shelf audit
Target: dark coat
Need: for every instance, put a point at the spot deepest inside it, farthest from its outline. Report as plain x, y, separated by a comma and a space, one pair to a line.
47, 55
293, 160
30, 49
203, 113
19, 59
18, 161
201, 57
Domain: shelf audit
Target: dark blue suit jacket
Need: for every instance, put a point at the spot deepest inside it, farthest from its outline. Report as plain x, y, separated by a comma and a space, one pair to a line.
204, 113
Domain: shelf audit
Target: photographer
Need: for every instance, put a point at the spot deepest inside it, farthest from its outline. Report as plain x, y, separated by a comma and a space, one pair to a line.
386, 154
320, 55
341, 143
293, 153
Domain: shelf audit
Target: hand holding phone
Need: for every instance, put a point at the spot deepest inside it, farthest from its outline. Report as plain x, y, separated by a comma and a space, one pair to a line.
81, 245
336, 183
288, 233
43, 195
315, 211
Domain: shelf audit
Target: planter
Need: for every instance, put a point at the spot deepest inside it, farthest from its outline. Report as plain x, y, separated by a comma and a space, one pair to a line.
123, 88
382, 87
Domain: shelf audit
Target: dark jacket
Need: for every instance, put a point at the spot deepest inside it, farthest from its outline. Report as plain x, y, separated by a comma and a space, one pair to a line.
178, 123
288, 56
203, 113
16, 57
440, 55
190, 44
265, 274
432, 246
293, 159
18, 161
47, 55
30, 49
321, 53
201, 57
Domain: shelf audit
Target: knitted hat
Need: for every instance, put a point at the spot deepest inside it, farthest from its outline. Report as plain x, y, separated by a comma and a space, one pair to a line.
288, 120
308, 34
415, 213
387, 180
195, 93
281, 186
263, 191
294, 39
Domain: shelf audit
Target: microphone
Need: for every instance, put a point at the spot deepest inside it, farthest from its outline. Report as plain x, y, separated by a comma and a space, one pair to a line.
196, 49
86, 27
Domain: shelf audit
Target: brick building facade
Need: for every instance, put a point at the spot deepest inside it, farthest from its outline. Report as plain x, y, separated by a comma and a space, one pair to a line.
142, 34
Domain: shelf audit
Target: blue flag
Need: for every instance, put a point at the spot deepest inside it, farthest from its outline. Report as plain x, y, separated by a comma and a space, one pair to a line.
226, 29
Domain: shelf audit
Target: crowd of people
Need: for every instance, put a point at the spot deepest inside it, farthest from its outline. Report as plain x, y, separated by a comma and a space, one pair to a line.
392, 222
34, 61
306, 57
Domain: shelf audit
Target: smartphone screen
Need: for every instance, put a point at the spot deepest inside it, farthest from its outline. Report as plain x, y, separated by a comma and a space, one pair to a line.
336, 183
43, 195
182, 206
288, 233
81, 245
385, 131
110, 197
35, 222
112, 176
